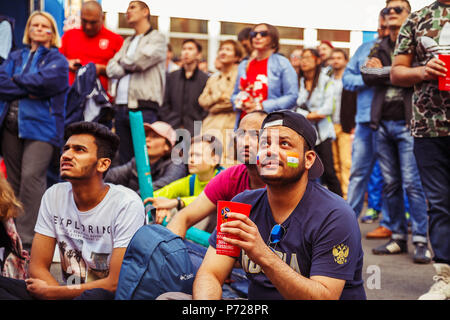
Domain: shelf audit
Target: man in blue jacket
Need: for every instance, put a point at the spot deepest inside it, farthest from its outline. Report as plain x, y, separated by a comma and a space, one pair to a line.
390, 117
364, 146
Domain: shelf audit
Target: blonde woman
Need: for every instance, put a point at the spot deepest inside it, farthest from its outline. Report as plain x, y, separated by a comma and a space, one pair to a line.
215, 98
33, 83
13, 260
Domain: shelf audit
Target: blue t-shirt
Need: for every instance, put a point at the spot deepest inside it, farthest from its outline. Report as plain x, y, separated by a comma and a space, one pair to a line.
322, 238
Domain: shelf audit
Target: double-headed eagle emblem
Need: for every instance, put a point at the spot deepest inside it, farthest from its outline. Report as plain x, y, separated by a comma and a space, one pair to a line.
340, 253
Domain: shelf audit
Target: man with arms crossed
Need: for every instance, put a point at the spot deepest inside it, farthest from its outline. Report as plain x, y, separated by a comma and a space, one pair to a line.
301, 240
140, 68
91, 222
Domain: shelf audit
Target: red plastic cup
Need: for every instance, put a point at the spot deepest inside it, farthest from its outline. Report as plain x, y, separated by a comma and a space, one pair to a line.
224, 207
444, 82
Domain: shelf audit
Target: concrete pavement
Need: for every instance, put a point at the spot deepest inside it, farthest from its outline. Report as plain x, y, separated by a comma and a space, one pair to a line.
400, 278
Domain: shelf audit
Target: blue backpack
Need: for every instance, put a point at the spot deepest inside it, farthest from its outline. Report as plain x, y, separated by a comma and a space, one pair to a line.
155, 262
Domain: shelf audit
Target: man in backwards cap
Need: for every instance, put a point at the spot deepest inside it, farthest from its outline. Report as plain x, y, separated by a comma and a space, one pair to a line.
301, 240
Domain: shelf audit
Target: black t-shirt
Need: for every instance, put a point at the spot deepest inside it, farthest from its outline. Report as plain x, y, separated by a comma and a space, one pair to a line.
393, 105
322, 239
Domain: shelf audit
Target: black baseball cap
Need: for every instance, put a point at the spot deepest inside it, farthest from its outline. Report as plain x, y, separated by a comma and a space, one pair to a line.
303, 127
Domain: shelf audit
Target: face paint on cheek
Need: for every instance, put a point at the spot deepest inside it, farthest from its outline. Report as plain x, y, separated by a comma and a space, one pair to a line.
292, 159
259, 156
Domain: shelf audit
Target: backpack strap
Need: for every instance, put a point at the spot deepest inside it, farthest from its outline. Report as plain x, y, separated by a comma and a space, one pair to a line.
219, 170
192, 180
192, 184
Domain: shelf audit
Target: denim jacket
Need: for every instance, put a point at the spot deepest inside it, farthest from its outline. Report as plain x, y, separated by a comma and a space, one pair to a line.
352, 81
321, 101
282, 85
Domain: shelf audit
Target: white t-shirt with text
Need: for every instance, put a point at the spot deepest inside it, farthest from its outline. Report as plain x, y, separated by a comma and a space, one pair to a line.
86, 239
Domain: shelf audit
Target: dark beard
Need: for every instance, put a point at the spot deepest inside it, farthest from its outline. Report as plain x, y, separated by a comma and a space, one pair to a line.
284, 181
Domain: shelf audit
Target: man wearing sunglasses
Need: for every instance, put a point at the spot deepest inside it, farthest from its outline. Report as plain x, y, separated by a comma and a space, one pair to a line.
301, 241
390, 116
364, 167
430, 125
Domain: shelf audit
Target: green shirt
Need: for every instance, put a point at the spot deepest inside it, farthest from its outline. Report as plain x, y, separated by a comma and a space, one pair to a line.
431, 107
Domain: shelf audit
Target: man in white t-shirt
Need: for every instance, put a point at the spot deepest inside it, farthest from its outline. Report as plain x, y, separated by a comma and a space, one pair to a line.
91, 221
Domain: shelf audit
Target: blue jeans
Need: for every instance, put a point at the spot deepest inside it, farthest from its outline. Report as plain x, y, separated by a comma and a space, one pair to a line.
363, 160
375, 188
432, 156
399, 168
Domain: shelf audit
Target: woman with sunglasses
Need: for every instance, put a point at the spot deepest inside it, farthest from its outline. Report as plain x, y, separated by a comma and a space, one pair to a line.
266, 81
33, 84
315, 102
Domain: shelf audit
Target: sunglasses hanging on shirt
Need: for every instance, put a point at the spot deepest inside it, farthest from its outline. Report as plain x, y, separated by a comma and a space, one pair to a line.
276, 235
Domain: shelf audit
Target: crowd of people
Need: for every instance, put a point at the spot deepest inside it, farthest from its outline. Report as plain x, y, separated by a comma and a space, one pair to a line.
303, 139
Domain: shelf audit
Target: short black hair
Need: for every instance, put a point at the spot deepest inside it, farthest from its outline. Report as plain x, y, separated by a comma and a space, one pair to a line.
107, 141
198, 45
244, 34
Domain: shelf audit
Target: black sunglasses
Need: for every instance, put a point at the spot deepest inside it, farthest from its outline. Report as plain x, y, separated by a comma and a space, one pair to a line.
397, 10
253, 34
276, 235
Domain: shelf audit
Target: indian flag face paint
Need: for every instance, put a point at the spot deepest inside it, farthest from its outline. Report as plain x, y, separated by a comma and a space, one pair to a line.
292, 159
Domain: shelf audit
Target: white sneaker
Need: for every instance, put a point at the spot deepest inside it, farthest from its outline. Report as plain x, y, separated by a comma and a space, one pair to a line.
440, 290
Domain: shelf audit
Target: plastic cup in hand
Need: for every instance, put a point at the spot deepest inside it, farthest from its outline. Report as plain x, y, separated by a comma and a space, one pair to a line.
444, 82
223, 210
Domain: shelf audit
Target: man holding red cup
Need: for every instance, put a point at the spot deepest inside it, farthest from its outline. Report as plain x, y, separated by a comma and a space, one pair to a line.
421, 59
300, 241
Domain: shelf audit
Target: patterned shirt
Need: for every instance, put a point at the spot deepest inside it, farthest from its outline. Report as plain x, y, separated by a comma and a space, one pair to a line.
431, 107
